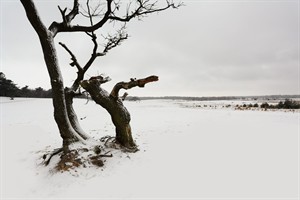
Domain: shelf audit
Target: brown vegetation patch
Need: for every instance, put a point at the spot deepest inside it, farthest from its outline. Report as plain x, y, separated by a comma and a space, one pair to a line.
68, 161
75, 158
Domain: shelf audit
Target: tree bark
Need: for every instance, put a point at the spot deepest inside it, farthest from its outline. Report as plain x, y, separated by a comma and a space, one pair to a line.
69, 96
121, 119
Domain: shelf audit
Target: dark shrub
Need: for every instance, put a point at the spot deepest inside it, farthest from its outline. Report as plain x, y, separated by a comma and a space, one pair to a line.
264, 105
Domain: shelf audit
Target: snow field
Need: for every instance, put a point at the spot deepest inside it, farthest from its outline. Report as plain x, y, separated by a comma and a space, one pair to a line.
185, 153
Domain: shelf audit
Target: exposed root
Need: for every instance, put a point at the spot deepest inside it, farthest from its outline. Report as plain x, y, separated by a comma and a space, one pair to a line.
111, 142
106, 154
131, 149
108, 139
55, 152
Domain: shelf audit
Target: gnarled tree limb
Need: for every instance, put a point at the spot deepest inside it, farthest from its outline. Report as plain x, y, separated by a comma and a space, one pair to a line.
56, 27
144, 7
114, 105
132, 83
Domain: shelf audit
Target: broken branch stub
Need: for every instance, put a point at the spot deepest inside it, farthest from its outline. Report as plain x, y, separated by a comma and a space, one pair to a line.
101, 78
132, 83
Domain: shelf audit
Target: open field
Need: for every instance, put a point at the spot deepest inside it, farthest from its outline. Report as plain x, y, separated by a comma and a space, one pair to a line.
186, 152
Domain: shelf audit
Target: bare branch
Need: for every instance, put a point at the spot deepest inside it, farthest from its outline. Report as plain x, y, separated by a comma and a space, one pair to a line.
144, 7
132, 83
94, 55
73, 12
124, 96
81, 71
63, 14
115, 40
97, 11
73, 57
89, 12
55, 26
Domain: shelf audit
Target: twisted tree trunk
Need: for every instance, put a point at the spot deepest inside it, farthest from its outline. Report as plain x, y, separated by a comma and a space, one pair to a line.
114, 105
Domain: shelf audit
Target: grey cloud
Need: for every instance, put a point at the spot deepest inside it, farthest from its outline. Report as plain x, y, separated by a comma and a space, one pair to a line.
203, 48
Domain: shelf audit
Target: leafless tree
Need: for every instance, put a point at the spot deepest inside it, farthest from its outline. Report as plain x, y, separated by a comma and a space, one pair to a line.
103, 12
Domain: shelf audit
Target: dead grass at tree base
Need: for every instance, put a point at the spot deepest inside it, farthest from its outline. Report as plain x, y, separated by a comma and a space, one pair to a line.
77, 158
85, 157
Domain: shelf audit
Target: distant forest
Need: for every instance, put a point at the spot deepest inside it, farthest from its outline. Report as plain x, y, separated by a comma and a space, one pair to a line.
9, 89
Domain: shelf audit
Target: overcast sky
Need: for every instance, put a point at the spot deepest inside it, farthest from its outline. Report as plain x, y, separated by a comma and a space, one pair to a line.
206, 48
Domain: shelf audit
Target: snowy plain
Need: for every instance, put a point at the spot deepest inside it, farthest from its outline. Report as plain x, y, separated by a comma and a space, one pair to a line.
186, 152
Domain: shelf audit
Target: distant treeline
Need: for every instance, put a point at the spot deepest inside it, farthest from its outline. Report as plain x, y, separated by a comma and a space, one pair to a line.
286, 104
9, 89
266, 97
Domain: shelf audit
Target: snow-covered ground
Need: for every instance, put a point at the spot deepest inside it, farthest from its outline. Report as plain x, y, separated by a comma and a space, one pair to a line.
186, 152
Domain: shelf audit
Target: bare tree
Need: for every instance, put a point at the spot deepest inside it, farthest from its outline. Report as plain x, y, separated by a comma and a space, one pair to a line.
109, 11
